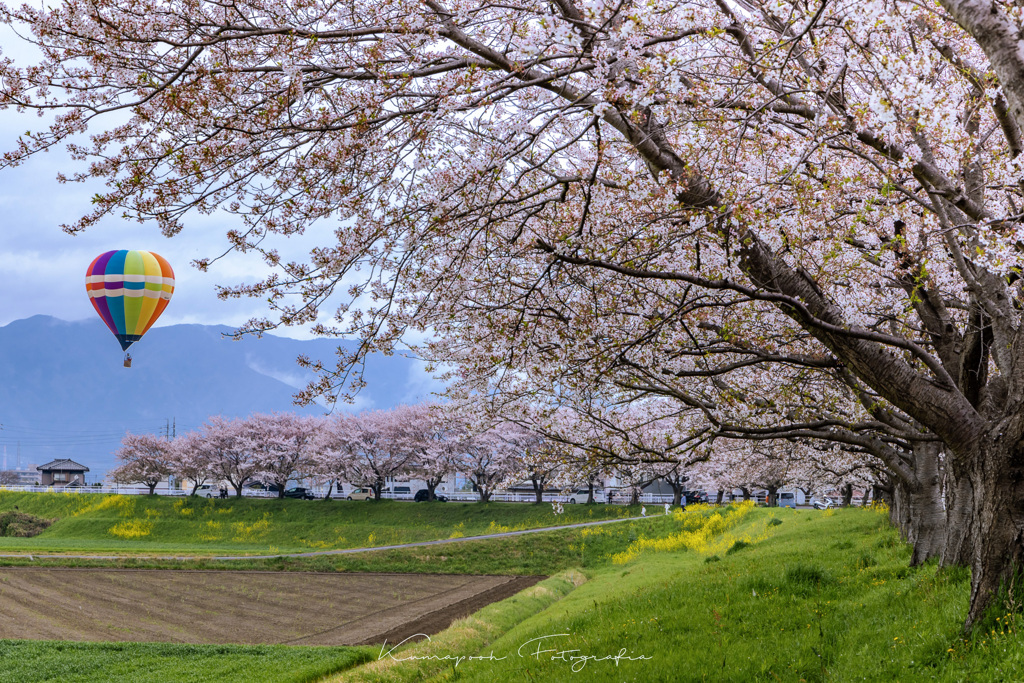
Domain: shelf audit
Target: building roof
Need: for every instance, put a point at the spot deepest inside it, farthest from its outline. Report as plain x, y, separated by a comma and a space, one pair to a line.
63, 465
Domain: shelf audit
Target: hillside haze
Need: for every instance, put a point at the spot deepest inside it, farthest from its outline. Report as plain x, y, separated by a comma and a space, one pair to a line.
66, 394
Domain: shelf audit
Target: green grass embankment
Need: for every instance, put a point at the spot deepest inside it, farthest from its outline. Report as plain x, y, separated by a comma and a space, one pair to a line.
811, 597
98, 523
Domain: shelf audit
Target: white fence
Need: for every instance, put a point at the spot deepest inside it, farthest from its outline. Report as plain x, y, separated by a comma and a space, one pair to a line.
127, 490
620, 498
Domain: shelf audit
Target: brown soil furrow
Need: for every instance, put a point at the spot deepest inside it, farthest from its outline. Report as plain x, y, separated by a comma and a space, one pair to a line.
248, 607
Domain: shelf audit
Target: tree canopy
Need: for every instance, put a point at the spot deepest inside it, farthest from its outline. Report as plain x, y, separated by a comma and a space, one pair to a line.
792, 219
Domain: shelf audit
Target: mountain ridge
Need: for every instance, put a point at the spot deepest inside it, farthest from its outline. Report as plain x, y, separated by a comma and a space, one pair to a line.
65, 393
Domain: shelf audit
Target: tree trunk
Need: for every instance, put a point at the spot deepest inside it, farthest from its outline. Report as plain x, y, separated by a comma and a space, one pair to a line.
677, 494
538, 491
927, 518
590, 493
635, 497
864, 499
899, 509
721, 495
746, 493
772, 499
847, 495
879, 494
997, 477
152, 488
960, 529
481, 485
330, 487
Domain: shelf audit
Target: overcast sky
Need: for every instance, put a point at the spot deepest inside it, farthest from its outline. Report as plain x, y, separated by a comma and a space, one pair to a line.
42, 269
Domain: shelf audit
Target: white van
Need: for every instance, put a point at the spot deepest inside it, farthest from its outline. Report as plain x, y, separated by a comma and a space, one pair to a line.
787, 499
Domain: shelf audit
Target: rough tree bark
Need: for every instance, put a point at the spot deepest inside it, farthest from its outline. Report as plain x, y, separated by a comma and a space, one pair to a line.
997, 478
927, 516
899, 509
960, 528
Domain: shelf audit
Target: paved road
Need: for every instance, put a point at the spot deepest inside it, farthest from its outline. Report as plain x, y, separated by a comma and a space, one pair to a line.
316, 553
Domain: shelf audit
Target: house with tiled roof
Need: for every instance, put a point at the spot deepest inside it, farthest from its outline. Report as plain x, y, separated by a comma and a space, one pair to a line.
62, 472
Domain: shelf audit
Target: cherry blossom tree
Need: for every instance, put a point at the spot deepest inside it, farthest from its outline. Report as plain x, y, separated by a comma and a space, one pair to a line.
191, 460
440, 436
144, 459
230, 458
281, 446
336, 451
382, 447
488, 459
599, 193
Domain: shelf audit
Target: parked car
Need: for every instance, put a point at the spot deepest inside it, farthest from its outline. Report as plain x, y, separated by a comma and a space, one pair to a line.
360, 494
694, 497
787, 499
211, 491
582, 495
423, 495
207, 491
299, 492
399, 491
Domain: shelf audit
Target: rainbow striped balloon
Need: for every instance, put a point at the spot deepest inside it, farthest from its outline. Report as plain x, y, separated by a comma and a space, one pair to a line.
129, 289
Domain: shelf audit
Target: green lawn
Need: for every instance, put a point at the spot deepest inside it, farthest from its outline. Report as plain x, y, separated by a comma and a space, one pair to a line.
23, 661
98, 523
530, 554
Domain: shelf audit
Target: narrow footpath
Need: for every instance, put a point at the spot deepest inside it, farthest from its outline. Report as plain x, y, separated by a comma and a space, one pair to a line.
317, 553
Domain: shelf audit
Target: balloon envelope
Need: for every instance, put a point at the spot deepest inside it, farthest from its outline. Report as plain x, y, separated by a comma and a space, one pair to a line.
129, 289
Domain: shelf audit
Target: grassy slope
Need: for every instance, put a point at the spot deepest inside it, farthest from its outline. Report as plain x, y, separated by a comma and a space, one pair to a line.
93, 523
822, 598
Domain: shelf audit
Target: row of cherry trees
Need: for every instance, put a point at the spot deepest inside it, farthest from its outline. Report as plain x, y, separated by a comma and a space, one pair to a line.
368, 449
430, 442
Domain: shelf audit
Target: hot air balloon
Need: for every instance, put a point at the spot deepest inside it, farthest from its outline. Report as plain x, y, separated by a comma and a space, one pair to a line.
129, 289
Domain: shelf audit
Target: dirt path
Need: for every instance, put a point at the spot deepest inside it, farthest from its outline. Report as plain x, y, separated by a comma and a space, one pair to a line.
344, 551
255, 607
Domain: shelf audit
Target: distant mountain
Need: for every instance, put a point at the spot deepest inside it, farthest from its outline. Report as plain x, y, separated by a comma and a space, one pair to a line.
65, 394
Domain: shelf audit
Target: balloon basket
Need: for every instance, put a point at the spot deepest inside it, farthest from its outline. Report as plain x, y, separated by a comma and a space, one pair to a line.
127, 361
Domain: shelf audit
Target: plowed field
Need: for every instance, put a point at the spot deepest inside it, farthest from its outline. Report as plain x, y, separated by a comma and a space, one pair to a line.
295, 608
